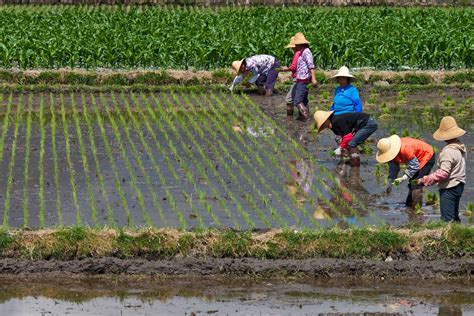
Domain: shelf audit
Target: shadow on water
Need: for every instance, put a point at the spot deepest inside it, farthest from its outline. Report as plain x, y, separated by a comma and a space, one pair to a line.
224, 296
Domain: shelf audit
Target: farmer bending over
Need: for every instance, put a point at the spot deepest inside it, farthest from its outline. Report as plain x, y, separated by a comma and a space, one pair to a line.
451, 173
263, 70
419, 159
353, 128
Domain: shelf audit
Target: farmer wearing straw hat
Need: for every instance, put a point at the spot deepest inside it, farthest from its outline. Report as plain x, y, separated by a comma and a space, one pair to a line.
263, 69
451, 173
304, 76
353, 128
346, 97
419, 158
292, 68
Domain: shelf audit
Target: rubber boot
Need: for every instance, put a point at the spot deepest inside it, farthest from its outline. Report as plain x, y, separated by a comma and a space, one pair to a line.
304, 113
289, 109
268, 92
417, 198
355, 157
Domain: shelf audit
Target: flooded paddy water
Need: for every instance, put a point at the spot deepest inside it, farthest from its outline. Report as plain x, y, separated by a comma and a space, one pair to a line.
201, 160
223, 296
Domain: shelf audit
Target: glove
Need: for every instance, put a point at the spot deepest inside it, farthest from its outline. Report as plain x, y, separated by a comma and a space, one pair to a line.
231, 88
338, 140
388, 189
338, 152
397, 181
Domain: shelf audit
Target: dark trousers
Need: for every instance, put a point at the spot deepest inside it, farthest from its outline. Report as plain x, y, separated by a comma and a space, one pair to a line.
449, 203
363, 133
300, 94
421, 173
268, 81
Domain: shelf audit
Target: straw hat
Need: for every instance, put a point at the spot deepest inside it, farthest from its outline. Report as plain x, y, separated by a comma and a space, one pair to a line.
300, 39
343, 72
448, 129
292, 44
320, 117
237, 64
388, 148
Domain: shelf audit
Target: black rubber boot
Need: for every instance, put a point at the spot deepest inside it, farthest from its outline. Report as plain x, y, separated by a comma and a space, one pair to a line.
289, 109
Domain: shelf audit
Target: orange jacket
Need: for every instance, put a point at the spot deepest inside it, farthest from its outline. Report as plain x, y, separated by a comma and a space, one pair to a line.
411, 148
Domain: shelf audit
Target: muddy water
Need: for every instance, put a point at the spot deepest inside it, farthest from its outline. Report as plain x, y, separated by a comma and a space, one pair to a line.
220, 296
416, 112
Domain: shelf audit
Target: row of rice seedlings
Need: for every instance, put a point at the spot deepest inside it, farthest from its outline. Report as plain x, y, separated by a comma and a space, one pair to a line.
256, 157
302, 151
190, 176
41, 160
145, 145
90, 134
72, 171
11, 165
27, 160
188, 197
6, 122
222, 151
108, 150
262, 166
161, 148
203, 157
128, 165
85, 164
275, 155
55, 163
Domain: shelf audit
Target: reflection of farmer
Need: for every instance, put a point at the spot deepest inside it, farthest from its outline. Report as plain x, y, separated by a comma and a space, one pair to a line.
301, 178
346, 97
451, 173
353, 128
292, 68
263, 70
419, 159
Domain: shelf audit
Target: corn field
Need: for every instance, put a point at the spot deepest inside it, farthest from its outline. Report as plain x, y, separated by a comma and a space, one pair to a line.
186, 160
197, 38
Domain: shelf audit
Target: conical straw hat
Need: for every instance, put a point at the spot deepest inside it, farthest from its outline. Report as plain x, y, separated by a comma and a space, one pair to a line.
291, 44
388, 148
343, 72
320, 117
237, 64
448, 129
300, 39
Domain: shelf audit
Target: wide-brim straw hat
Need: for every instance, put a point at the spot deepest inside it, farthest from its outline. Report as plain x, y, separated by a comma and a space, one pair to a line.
343, 72
388, 148
299, 39
320, 117
237, 64
448, 129
291, 44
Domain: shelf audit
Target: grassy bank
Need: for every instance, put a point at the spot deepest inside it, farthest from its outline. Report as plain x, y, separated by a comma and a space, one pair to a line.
428, 242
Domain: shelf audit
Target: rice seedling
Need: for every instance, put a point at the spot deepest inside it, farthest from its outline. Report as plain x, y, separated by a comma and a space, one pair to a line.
55, 163
11, 164
85, 164
108, 150
128, 165
93, 147
72, 171
41, 159
469, 211
27, 161
6, 121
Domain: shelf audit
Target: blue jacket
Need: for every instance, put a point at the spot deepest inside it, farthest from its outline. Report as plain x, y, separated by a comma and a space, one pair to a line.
346, 100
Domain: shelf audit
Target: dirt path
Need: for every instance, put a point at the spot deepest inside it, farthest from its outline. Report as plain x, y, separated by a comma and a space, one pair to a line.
326, 268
